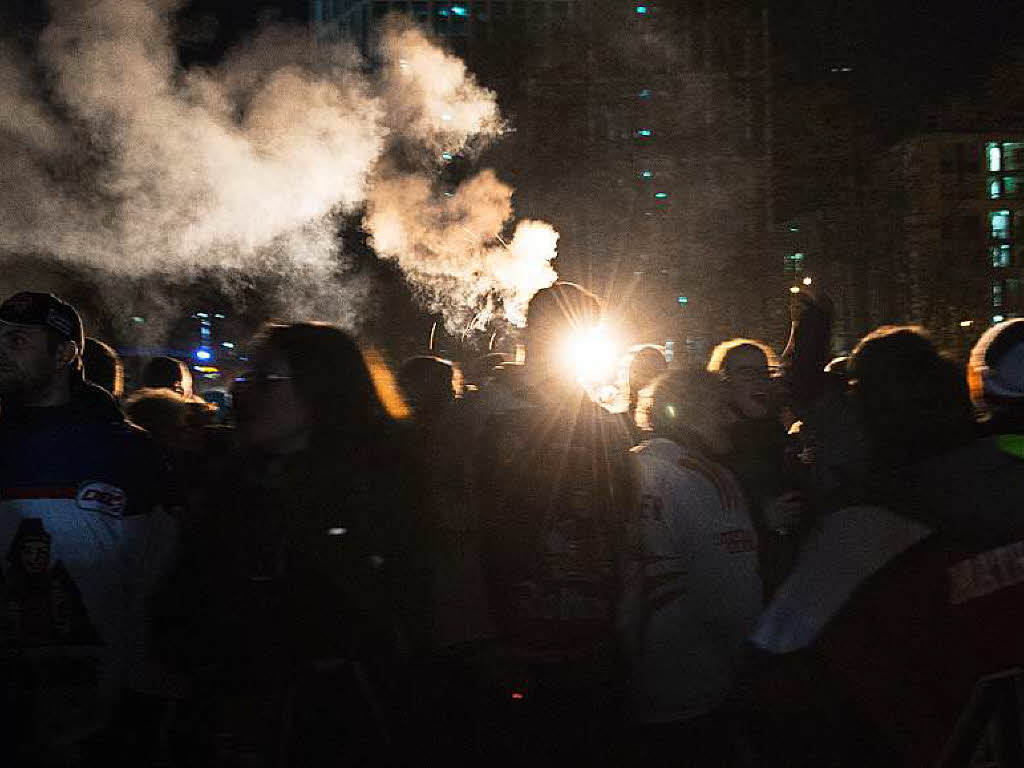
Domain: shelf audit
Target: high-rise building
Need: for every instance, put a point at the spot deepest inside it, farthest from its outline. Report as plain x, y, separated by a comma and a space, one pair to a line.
951, 249
640, 132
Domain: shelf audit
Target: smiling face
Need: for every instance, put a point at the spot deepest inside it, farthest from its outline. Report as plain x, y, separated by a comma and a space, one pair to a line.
748, 381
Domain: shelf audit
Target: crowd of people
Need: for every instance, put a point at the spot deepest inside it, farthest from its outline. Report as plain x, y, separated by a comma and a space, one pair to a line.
769, 560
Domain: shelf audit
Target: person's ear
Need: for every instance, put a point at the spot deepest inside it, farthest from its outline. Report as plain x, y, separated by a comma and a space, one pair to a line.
66, 353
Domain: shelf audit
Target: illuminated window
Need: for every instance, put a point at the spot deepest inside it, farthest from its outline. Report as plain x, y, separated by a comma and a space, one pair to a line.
645, 133
641, 9
997, 295
1013, 157
995, 157
1000, 255
1011, 186
645, 93
1000, 225
661, 195
459, 10
646, 174
994, 189
794, 262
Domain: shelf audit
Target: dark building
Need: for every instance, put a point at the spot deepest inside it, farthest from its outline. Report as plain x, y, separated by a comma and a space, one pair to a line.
951, 250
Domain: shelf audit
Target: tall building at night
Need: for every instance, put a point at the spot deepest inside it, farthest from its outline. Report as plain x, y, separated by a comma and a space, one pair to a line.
950, 253
641, 133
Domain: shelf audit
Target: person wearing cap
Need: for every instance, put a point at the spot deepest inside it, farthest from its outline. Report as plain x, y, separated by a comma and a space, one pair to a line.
995, 375
77, 477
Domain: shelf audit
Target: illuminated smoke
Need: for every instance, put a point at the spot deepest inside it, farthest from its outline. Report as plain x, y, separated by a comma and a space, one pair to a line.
134, 165
450, 246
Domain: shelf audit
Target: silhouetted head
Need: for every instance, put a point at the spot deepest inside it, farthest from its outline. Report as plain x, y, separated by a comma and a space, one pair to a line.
169, 373
912, 401
646, 363
172, 419
430, 385
745, 365
41, 342
103, 366
554, 316
995, 375
688, 406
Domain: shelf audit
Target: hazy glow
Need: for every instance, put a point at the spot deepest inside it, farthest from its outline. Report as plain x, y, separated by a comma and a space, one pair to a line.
590, 355
133, 163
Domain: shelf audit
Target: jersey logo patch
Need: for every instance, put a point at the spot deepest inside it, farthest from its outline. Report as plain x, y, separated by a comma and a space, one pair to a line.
102, 497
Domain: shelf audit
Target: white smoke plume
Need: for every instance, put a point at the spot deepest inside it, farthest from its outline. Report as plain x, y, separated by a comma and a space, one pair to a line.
451, 246
133, 164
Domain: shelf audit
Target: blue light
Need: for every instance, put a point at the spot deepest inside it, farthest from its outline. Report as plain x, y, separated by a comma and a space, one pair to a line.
203, 354
641, 9
661, 195
645, 93
645, 132
458, 10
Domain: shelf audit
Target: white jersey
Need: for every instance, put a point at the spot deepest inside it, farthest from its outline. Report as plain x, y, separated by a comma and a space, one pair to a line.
693, 592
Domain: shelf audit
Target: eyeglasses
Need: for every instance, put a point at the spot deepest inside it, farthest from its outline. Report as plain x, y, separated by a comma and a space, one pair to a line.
259, 379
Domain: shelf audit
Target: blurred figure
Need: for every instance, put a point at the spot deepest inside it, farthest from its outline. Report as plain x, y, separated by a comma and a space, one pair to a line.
451, 700
758, 454
85, 541
430, 386
896, 565
171, 418
647, 362
553, 490
996, 379
693, 590
178, 424
478, 373
168, 373
305, 578
103, 367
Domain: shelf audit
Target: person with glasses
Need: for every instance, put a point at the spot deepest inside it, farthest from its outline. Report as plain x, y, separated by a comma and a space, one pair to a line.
306, 570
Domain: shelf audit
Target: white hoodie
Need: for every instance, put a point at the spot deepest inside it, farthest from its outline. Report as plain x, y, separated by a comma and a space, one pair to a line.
692, 592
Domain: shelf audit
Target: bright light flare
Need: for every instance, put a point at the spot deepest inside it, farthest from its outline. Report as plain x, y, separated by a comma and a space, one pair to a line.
590, 355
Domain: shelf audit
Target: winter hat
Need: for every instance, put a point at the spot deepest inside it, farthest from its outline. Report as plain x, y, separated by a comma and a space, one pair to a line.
996, 368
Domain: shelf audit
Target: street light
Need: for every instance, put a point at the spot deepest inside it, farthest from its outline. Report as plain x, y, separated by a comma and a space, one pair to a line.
807, 281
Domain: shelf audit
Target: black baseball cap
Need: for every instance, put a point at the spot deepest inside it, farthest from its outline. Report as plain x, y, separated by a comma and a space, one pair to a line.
44, 310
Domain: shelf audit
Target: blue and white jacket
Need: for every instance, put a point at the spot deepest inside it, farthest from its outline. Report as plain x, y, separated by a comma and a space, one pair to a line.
79, 551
